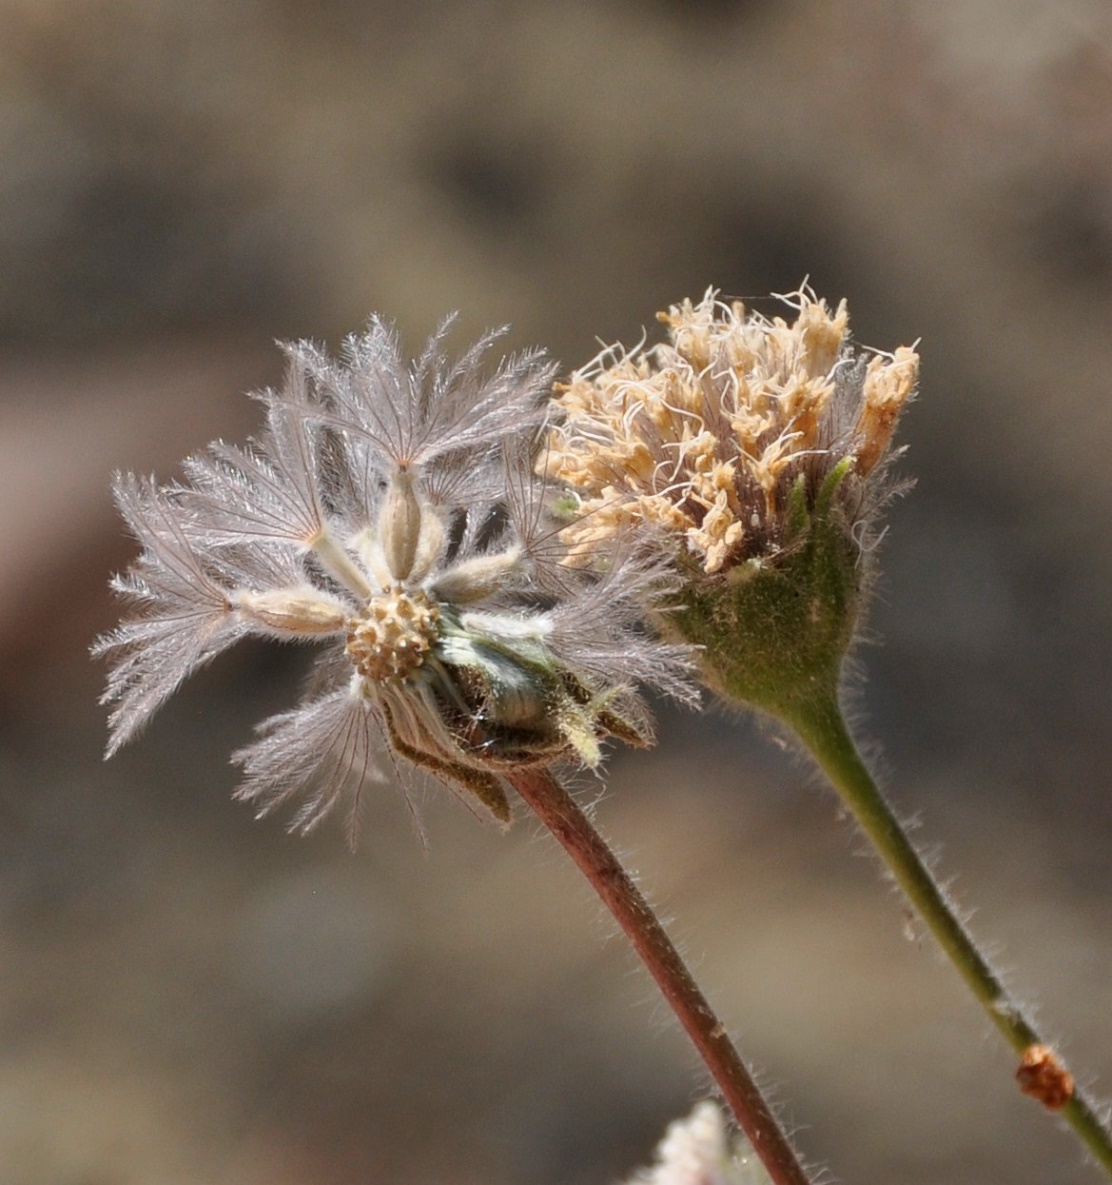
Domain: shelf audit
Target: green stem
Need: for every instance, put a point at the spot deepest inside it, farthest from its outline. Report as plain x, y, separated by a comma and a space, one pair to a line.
821, 726
563, 816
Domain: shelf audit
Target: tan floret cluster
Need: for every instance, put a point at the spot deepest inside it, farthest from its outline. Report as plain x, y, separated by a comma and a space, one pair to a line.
706, 434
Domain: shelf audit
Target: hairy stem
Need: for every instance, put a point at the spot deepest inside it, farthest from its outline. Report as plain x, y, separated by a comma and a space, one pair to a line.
821, 726
560, 813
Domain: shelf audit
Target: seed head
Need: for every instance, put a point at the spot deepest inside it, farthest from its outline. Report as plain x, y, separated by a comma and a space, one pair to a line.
390, 512
758, 450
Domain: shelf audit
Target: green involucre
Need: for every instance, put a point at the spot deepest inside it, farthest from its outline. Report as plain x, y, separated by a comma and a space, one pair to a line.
773, 631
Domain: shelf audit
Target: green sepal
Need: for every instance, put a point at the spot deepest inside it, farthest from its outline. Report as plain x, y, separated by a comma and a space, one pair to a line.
520, 705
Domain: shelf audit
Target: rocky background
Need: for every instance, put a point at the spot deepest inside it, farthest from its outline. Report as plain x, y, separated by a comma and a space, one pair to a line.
189, 998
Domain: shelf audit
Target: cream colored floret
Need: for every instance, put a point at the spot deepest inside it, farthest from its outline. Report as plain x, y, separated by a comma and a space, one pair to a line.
700, 435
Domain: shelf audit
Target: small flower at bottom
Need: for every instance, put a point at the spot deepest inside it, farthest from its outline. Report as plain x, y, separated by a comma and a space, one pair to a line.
698, 1151
758, 450
391, 512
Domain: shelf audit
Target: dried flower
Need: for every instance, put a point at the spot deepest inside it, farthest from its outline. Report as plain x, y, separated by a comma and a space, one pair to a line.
697, 1151
709, 435
390, 512
761, 448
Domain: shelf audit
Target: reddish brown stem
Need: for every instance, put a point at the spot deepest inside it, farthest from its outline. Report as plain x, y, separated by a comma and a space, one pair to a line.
562, 815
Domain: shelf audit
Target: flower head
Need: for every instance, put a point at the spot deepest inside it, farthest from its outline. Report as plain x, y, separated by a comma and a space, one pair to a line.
760, 448
707, 436
389, 512
698, 1151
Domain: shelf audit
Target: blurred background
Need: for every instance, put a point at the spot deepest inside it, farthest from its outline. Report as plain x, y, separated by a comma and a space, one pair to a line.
189, 997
